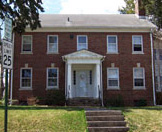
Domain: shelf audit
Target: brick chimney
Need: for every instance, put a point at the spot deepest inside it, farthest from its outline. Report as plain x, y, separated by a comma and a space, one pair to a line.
139, 10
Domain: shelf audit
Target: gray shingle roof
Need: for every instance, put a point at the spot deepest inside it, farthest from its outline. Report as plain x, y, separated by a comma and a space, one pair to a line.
94, 21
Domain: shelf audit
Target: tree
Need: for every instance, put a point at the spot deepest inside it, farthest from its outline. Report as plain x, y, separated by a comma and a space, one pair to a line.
129, 9
153, 10
22, 12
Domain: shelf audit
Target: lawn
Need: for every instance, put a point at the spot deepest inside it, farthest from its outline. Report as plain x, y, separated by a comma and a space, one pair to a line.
143, 119
43, 119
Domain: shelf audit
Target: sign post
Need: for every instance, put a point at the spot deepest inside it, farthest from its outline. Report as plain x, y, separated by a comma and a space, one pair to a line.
7, 63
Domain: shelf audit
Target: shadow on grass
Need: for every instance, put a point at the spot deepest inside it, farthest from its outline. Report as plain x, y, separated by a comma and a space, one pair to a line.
41, 108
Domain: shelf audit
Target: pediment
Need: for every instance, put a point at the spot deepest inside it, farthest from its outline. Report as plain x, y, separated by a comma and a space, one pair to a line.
83, 54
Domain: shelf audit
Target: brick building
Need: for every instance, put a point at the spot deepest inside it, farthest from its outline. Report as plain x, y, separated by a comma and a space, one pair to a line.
97, 57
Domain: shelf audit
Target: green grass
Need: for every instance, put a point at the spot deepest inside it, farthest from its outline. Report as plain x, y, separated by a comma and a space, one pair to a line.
143, 119
43, 119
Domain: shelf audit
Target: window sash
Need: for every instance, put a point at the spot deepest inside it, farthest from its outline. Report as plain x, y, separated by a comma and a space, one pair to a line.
112, 47
82, 45
26, 43
52, 82
26, 81
53, 47
112, 78
139, 78
137, 44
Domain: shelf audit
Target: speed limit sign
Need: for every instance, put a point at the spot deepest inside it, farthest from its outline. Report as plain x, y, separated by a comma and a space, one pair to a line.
7, 52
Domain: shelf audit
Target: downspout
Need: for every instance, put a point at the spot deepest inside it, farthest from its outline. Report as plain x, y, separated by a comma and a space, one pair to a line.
11, 71
102, 81
152, 57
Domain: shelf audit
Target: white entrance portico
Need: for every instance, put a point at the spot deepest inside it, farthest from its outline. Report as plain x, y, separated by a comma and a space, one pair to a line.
83, 74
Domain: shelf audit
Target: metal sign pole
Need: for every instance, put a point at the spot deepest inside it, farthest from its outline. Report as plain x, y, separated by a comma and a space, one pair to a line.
6, 101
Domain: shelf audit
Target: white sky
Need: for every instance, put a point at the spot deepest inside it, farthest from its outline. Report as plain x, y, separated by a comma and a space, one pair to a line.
82, 6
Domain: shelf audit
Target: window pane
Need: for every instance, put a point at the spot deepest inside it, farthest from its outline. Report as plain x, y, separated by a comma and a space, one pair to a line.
112, 73
52, 39
53, 47
26, 73
81, 46
113, 82
112, 48
137, 47
52, 82
26, 47
27, 39
52, 72
82, 39
137, 40
26, 83
138, 73
139, 82
111, 39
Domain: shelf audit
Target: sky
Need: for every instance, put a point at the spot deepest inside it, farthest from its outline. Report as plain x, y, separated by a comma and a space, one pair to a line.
82, 6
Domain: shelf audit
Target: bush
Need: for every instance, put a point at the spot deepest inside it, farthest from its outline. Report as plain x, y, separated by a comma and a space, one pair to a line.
140, 102
55, 97
116, 101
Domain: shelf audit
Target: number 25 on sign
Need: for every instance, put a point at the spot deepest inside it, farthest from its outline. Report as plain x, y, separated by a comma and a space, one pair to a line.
7, 54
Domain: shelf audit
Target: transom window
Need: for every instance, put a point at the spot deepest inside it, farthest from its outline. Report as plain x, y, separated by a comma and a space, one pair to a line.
139, 77
137, 44
113, 77
112, 46
52, 78
52, 44
82, 42
26, 43
26, 78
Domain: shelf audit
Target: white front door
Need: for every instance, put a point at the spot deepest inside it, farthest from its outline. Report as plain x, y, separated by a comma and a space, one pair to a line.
82, 83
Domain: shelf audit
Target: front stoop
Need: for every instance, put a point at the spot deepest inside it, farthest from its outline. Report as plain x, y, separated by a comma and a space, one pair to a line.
106, 121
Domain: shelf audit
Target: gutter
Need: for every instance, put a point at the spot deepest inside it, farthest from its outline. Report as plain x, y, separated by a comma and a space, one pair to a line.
152, 61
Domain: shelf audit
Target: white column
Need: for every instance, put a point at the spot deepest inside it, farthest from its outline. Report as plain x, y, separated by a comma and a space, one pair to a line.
98, 76
69, 80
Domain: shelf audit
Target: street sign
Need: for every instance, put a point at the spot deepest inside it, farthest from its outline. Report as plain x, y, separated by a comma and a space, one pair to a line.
7, 52
8, 29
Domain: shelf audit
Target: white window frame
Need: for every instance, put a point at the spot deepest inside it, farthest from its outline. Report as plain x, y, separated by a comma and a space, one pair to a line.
137, 52
52, 87
139, 87
25, 88
49, 52
116, 52
113, 87
26, 52
85, 43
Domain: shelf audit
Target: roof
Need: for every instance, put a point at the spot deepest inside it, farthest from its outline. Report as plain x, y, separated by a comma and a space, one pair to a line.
94, 21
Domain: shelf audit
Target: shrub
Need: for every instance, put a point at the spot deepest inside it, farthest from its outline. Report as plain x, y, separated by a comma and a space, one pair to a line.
159, 98
116, 101
55, 97
140, 102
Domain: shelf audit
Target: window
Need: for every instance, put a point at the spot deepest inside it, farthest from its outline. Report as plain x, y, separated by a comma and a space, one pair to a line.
26, 78
52, 78
112, 46
90, 77
26, 43
52, 46
82, 42
139, 77
113, 77
74, 77
137, 44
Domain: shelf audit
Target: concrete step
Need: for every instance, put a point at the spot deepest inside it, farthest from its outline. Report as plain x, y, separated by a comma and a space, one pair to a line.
103, 113
106, 123
108, 129
106, 118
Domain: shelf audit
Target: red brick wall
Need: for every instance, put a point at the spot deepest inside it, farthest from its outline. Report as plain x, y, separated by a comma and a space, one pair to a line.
97, 42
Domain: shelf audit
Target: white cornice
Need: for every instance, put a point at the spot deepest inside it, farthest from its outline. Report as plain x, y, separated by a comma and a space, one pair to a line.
88, 29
